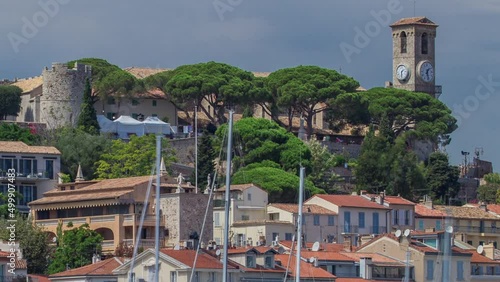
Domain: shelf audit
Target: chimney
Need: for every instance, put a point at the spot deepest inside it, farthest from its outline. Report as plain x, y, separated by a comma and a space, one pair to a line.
354, 193
489, 251
347, 244
428, 202
380, 199
483, 206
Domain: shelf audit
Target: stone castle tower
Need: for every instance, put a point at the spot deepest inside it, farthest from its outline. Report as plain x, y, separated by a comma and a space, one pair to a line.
62, 94
414, 55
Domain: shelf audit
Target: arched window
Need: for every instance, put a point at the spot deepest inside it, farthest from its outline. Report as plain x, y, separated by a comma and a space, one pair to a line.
425, 42
403, 42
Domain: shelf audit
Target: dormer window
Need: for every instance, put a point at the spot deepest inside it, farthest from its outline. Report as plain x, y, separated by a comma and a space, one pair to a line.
269, 261
403, 42
425, 43
250, 261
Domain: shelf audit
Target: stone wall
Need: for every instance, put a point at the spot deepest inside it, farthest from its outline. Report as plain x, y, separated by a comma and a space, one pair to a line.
184, 150
62, 94
184, 214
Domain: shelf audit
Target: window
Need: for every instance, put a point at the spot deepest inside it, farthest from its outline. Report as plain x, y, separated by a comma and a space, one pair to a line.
347, 221
154, 115
43, 215
481, 226
211, 277
425, 43
49, 169
303, 219
438, 224
217, 219
250, 261
288, 236
135, 102
421, 224
111, 101
316, 219
275, 234
396, 217
245, 217
134, 115
268, 263
331, 220
361, 218
28, 194
430, 270
403, 42
274, 216
154, 103
111, 115
407, 217
28, 167
249, 196
7, 163
173, 276
196, 277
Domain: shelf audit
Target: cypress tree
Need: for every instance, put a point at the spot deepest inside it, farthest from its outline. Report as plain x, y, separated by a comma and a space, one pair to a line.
88, 117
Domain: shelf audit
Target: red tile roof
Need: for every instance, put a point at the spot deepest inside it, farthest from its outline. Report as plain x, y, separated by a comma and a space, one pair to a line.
307, 270
494, 208
423, 211
258, 249
330, 256
397, 200
103, 268
204, 261
354, 280
238, 187
477, 258
377, 259
312, 209
329, 247
353, 201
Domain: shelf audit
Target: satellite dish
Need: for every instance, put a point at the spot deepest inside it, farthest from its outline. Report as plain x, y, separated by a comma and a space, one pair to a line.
177, 247
217, 252
281, 250
480, 249
449, 229
315, 247
312, 259
407, 232
54, 239
398, 233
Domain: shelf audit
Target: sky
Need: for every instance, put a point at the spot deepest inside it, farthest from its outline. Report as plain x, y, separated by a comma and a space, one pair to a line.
258, 35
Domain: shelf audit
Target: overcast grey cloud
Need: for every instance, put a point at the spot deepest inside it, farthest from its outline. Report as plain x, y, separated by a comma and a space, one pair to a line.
262, 35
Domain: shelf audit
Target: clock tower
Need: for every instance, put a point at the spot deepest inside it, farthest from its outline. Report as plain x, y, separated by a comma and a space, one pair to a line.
413, 63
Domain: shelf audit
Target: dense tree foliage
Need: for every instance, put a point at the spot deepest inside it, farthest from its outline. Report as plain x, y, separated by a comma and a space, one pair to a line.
87, 120
322, 165
78, 147
222, 86
110, 79
12, 132
133, 158
33, 242
490, 191
304, 90
418, 113
206, 158
75, 248
258, 139
10, 101
442, 178
282, 186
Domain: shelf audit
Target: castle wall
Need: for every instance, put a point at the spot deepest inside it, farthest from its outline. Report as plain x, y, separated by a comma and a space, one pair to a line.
62, 94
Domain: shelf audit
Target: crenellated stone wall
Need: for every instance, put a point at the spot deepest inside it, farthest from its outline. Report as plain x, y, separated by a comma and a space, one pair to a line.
62, 94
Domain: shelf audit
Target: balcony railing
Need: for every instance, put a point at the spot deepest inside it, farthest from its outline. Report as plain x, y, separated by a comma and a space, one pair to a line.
353, 229
477, 229
145, 243
128, 219
40, 174
378, 229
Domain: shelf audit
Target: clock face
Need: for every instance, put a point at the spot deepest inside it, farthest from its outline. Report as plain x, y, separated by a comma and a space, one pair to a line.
426, 71
402, 72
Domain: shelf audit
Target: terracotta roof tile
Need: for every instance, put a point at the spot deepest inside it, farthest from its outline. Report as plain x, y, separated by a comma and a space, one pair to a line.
414, 20
329, 247
260, 222
237, 187
21, 147
423, 211
259, 249
67, 197
351, 201
354, 280
307, 270
205, 261
312, 209
397, 200
477, 258
330, 256
377, 259
465, 212
494, 208
28, 84
104, 267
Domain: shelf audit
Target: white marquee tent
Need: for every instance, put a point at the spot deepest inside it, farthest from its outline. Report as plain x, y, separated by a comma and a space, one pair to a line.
124, 126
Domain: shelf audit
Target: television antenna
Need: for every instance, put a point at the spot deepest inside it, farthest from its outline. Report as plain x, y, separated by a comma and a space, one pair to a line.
478, 151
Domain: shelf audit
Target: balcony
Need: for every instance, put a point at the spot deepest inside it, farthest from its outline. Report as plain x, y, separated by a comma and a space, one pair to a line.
349, 229
149, 220
39, 175
219, 203
476, 229
378, 229
145, 243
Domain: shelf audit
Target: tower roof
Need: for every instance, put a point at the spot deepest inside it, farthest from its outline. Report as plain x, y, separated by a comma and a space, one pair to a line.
414, 21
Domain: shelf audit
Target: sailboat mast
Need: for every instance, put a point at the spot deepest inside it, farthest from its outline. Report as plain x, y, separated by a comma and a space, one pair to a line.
299, 225
157, 208
228, 184
196, 148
